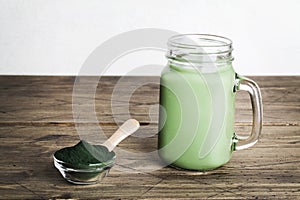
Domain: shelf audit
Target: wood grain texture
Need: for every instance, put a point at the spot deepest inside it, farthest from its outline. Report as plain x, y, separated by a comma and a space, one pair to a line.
36, 119
49, 100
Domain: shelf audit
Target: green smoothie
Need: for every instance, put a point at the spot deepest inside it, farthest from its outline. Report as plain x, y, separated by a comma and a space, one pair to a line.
187, 137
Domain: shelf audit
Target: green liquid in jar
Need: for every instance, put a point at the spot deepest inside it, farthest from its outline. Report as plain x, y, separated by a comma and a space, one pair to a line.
187, 104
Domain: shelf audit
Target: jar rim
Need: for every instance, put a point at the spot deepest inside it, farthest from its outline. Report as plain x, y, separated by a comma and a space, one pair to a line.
199, 48
199, 40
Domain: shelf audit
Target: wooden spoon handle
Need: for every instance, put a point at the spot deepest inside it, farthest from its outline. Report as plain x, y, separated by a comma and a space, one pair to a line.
126, 129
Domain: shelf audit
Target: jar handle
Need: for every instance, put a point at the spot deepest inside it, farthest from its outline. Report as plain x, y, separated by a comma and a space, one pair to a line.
246, 84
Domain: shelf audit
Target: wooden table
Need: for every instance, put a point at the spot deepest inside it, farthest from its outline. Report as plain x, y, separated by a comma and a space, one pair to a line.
36, 119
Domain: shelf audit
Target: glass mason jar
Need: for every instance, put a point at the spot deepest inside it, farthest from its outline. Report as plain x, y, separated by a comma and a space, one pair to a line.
197, 103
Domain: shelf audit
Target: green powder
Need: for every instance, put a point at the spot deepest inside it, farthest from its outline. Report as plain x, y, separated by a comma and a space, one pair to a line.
85, 155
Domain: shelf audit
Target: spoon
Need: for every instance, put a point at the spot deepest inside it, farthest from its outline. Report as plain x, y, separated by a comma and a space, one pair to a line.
126, 129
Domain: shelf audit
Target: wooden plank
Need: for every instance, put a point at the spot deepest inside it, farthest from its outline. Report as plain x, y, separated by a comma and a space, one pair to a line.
271, 167
49, 99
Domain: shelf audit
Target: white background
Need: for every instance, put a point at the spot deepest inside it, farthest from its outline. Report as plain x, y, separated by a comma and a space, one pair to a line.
54, 37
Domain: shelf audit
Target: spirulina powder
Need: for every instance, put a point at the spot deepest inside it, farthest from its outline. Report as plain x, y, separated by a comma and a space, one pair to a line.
85, 155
